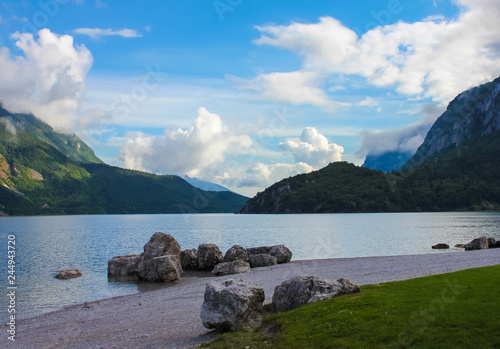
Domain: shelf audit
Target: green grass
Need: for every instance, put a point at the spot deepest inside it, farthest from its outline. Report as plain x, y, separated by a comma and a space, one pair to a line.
456, 310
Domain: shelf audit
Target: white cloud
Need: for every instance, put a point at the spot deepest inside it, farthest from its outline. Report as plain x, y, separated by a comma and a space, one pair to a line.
432, 58
48, 80
370, 103
404, 140
313, 149
97, 33
298, 87
261, 175
202, 147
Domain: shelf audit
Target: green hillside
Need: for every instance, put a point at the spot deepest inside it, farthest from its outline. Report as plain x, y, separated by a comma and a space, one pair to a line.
46, 172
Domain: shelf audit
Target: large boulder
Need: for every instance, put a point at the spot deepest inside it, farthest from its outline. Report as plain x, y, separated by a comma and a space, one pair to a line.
123, 265
492, 243
160, 261
161, 269
301, 290
262, 260
236, 253
189, 259
477, 244
232, 305
282, 253
64, 274
162, 244
209, 255
234, 267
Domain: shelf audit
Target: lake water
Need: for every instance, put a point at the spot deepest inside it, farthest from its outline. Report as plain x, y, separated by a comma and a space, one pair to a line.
45, 244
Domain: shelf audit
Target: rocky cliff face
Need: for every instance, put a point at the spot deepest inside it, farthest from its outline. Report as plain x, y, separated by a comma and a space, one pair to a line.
473, 114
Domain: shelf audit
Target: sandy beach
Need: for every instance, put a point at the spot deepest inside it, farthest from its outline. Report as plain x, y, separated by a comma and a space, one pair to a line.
170, 317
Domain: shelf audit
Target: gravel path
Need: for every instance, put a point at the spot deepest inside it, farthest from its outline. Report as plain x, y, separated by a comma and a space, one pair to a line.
169, 317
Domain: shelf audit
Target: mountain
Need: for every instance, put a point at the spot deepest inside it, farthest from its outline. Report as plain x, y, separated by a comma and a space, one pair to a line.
46, 172
67, 143
386, 162
200, 184
473, 114
456, 168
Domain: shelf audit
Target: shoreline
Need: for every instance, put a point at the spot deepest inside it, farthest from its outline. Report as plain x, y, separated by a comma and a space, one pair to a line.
169, 317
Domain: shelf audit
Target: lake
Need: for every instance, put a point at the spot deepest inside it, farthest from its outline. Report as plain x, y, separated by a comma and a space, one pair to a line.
45, 244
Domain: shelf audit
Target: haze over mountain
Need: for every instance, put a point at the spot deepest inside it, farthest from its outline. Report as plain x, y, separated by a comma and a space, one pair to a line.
456, 168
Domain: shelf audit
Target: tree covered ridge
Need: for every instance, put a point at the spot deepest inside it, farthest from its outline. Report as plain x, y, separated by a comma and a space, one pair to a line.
458, 178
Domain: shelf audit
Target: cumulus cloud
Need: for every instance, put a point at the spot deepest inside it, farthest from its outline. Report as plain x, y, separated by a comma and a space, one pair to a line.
263, 175
97, 33
431, 58
299, 87
312, 148
47, 80
403, 140
205, 145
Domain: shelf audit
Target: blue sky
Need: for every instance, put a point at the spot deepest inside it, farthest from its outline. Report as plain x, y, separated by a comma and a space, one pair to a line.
244, 93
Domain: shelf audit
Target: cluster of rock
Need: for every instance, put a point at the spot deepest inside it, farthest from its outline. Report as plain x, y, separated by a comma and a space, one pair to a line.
480, 243
235, 304
163, 260
236, 260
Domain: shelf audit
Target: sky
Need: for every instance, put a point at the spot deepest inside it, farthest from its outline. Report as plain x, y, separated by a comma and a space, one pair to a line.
244, 93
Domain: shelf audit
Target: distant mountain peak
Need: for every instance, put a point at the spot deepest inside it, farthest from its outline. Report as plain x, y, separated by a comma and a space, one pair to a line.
204, 185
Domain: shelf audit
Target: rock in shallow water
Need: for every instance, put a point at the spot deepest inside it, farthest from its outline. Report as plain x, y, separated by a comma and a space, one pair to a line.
232, 305
236, 253
123, 265
477, 244
189, 259
160, 261
280, 252
209, 255
441, 246
64, 274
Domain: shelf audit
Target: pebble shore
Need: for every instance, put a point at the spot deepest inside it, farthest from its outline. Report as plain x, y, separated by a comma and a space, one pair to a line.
170, 317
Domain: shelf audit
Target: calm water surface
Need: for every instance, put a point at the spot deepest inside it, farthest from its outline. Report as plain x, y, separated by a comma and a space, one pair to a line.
45, 244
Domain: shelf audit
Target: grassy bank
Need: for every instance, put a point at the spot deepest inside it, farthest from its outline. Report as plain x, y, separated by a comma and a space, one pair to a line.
456, 310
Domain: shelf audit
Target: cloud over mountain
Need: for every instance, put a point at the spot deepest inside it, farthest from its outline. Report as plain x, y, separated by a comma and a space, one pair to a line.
204, 146
313, 149
406, 139
47, 80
